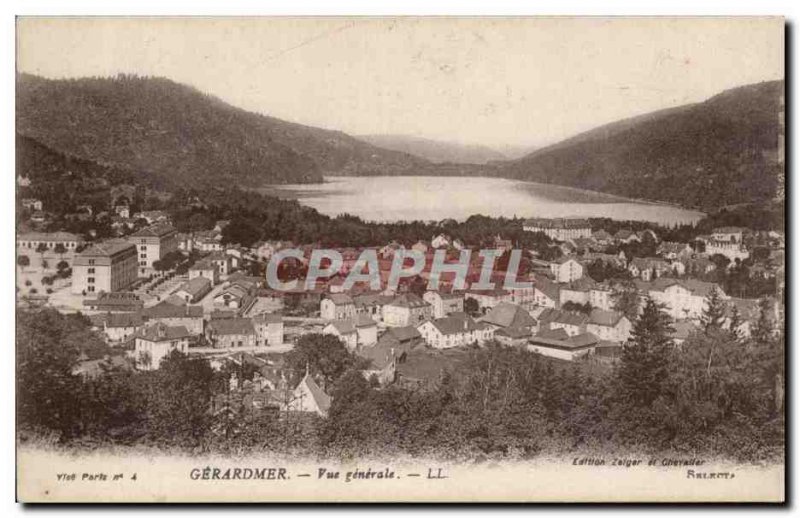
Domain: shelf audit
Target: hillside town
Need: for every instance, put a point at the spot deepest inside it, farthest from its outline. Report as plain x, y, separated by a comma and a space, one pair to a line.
150, 290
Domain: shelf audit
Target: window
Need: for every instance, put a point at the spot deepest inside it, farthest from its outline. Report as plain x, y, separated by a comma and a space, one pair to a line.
90, 288
143, 248
90, 280
91, 262
90, 270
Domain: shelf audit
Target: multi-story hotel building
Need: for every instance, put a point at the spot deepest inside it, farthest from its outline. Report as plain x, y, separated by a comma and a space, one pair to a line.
153, 243
104, 267
561, 229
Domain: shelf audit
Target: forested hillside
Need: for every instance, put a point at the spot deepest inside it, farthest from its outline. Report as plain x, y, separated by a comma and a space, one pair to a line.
179, 134
708, 155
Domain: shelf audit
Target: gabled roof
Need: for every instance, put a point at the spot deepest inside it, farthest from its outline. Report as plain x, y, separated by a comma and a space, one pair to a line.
551, 289
197, 286
558, 316
549, 338
123, 319
340, 299
166, 310
729, 230
107, 248
161, 332
585, 283
343, 327
506, 314
232, 326
454, 325
514, 332
157, 230
408, 300
267, 318
322, 400
601, 317
403, 334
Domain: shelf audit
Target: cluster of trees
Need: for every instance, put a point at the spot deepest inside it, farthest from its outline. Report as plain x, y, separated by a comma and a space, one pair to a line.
717, 394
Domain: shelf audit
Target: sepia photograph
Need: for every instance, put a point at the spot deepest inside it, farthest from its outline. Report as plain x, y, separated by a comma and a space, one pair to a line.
400, 259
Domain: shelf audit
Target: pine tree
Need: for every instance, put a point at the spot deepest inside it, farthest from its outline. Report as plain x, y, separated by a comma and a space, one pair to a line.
646, 358
714, 313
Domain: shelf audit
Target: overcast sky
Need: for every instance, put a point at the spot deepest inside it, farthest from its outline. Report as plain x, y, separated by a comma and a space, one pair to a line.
495, 81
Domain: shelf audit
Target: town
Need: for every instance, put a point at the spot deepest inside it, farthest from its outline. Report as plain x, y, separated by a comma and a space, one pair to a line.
150, 290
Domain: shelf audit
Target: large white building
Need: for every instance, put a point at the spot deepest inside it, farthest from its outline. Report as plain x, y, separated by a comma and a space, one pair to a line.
107, 266
685, 298
154, 343
560, 229
154, 243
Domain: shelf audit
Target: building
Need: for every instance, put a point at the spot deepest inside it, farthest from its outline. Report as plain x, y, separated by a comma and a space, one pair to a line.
153, 343
188, 317
733, 250
648, 268
269, 329
227, 333
626, 236
560, 229
360, 331
728, 234
507, 315
124, 302
337, 306
194, 289
684, 298
572, 323
601, 296
577, 292
205, 269
558, 344
32, 204
371, 304
487, 299
612, 326
672, 251
105, 267
407, 309
444, 303
32, 240
566, 269
119, 327
153, 244
309, 397
546, 293
513, 336
454, 331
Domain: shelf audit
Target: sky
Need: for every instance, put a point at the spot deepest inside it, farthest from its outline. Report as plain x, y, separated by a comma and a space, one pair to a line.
490, 81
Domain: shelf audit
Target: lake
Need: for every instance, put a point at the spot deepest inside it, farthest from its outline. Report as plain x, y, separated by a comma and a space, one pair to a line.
395, 198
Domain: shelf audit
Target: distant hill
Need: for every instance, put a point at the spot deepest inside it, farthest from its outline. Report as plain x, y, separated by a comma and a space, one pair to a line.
180, 135
708, 155
436, 151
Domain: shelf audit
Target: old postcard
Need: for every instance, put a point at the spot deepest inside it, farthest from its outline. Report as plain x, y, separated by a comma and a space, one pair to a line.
354, 259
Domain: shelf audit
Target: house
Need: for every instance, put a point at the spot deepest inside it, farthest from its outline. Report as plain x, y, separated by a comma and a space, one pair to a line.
188, 317
444, 303
382, 359
648, 268
153, 244
601, 296
546, 293
440, 241
235, 296
558, 344
269, 329
454, 331
221, 261
403, 337
155, 342
360, 331
560, 229
152, 216
337, 306
612, 326
371, 304
119, 327
572, 323
419, 246
194, 289
205, 269
698, 265
672, 251
487, 299
228, 333
107, 266
626, 236
684, 298
577, 292
506, 315
405, 310
309, 397
566, 269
